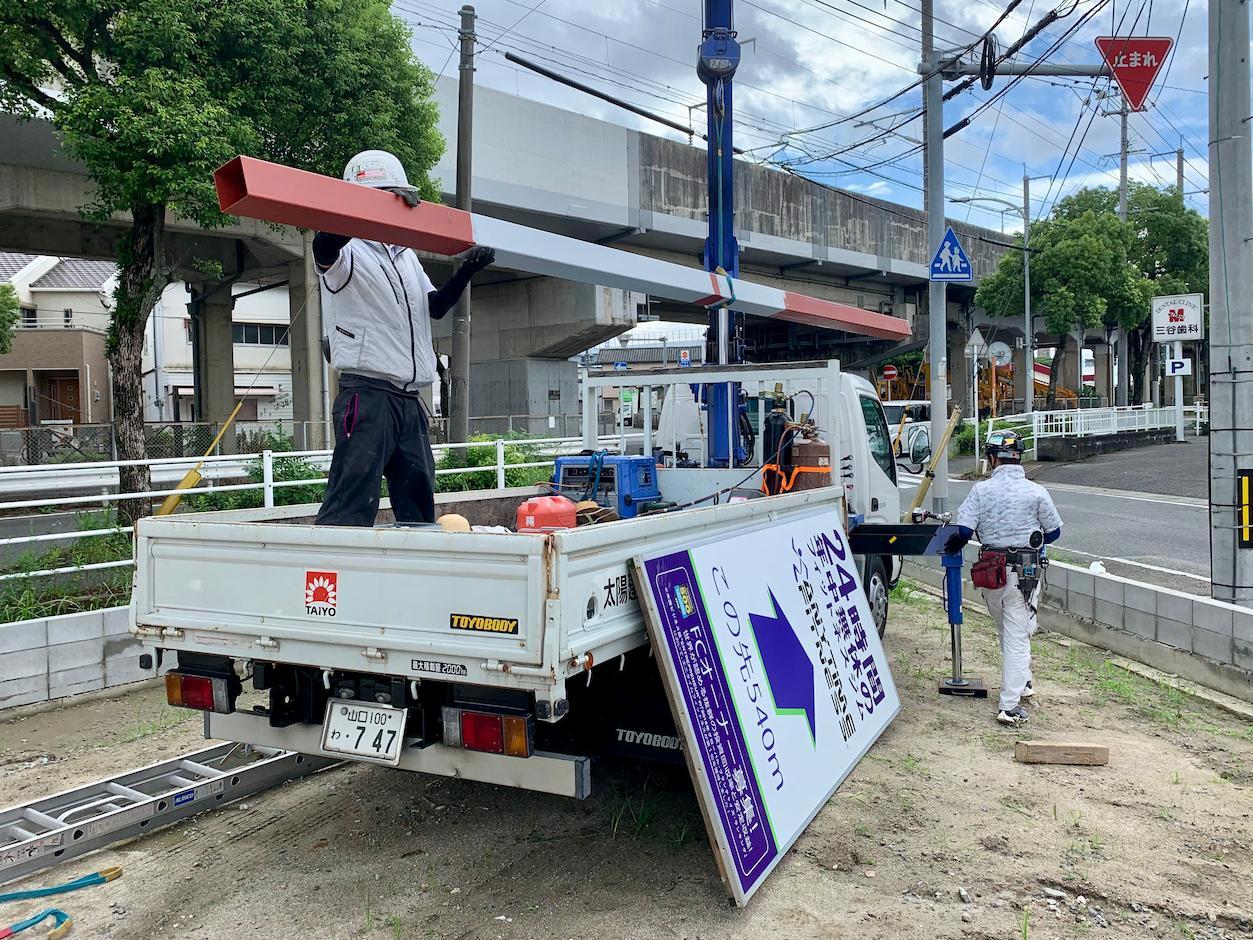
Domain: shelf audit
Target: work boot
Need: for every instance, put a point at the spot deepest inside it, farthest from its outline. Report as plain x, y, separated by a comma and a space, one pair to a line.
1028, 692
1015, 716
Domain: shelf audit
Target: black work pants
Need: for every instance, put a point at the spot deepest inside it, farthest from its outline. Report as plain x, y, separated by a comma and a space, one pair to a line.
379, 434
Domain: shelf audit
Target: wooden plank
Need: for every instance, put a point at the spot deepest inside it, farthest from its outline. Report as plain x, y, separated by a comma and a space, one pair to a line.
1061, 752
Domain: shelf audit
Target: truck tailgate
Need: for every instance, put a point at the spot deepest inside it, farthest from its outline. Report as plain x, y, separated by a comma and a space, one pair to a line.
254, 588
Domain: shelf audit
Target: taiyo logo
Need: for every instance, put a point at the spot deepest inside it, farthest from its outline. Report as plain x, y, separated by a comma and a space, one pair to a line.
321, 593
683, 597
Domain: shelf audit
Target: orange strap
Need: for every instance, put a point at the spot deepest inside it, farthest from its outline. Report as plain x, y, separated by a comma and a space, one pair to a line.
786, 482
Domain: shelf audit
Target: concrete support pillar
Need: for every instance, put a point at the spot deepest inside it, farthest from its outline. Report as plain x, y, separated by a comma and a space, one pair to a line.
1022, 375
1102, 361
959, 371
1072, 376
217, 361
309, 399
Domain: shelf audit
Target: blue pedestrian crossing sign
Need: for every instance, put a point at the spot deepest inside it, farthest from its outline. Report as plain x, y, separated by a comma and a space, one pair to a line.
950, 262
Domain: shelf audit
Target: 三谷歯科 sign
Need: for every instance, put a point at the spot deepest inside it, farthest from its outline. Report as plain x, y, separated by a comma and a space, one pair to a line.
776, 677
1178, 318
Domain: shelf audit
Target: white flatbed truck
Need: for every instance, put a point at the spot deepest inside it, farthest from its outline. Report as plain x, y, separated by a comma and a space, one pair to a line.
501, 657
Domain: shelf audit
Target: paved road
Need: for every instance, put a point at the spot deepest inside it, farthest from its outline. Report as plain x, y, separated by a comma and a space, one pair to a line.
1149, 537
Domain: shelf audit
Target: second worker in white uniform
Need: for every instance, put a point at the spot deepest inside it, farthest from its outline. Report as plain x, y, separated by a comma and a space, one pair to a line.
1004, 512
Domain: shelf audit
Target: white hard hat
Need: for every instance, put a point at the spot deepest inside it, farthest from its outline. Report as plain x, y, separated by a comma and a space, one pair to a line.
377, 169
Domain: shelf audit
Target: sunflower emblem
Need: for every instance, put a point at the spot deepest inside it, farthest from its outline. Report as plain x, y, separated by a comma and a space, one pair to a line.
320, 589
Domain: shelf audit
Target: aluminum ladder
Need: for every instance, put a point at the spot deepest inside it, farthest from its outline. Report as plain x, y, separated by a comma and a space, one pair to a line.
52, 829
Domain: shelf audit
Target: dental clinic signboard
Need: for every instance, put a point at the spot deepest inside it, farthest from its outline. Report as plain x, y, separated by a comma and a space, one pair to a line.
776, 677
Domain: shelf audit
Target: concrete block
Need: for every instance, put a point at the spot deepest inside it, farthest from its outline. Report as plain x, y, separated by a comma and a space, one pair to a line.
1211, 615
73, 655
75, 681
1109, 590
1079, 582
1242, 625
23, 635
1175, 605
1055, 597
24, 664
1059, 577
14, 692
1140, 623
1215, 646
1243, 654
1081, 605
116, 621
1108, 613
1140, 597
123, 669
1173, 633
74, 627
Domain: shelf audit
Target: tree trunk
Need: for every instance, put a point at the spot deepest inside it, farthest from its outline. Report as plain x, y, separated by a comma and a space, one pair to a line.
144, 273
1139, 352
1055, 373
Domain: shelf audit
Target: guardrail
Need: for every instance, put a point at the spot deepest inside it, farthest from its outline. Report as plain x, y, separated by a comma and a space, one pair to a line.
101, 475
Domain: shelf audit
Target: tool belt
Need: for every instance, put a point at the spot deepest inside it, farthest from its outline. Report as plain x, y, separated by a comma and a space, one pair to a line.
991, 571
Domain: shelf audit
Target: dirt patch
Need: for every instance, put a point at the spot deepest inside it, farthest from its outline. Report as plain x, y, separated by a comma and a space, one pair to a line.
937, 834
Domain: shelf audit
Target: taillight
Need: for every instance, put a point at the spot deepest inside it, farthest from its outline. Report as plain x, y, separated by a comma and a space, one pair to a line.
205, 693
490, 732
480, 732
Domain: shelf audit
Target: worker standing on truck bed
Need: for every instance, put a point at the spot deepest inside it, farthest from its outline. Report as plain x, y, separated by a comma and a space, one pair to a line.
1014, 518
377, 304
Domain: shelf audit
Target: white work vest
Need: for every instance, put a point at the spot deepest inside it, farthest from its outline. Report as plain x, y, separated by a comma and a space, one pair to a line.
375, 314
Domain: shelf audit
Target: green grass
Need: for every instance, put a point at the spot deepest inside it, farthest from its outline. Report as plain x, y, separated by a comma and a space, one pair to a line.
30, 598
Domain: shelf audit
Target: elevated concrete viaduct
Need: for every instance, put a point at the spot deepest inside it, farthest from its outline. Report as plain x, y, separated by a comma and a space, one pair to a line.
555, 170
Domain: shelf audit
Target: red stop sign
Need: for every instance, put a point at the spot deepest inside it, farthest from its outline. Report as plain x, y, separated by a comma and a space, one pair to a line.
889, 373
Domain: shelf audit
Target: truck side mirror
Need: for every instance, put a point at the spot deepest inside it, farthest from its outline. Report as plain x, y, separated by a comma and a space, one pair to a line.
920, 448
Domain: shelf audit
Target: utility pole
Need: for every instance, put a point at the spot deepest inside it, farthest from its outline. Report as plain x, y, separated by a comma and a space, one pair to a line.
937, 294
459, 384
1123, 387
1179, 171
1231, 298
1028, 334
717, 60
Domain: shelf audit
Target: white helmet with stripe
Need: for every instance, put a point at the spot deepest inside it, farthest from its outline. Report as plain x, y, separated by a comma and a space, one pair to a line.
377, 169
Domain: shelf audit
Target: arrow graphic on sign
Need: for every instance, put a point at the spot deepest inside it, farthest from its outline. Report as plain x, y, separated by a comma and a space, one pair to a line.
789, 669
1134, 62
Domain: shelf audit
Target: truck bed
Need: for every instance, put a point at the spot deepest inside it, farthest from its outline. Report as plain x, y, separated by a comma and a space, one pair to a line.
511, 610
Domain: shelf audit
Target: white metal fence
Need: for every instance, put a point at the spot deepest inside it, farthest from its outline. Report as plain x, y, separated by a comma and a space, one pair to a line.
1091, 422
93, 499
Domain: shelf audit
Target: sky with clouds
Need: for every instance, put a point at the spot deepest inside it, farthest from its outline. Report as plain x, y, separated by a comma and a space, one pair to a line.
814, 62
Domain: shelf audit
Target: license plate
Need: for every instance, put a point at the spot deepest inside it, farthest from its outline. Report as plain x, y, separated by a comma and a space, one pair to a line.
364, 730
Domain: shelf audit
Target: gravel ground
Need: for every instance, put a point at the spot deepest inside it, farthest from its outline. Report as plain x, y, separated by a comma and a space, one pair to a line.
939, 833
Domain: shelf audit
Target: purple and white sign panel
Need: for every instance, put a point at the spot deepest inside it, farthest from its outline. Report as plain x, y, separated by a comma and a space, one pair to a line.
777, 678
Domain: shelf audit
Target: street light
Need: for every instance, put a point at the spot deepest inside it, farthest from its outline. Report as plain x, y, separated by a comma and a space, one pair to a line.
1028, 385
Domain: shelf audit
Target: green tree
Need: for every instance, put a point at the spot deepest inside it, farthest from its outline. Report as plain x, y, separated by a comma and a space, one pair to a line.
1082, 276
1168, 252
153, 95
10, 310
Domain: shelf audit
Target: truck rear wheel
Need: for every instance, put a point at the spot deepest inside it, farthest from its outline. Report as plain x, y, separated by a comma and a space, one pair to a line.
877, 592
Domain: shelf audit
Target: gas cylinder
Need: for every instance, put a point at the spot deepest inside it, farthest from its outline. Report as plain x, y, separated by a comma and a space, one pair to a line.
811, 462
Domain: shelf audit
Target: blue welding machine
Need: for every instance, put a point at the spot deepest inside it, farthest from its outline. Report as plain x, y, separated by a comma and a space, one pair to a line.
616, 481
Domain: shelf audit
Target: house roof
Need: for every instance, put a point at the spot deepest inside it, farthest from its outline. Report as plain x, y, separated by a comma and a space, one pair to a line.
637, 354
13, 261
71, 273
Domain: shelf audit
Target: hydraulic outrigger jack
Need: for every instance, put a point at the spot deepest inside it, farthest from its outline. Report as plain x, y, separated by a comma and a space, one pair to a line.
957, 684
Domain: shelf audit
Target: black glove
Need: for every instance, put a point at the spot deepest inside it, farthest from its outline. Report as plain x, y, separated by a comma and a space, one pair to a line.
477, 259
410, 196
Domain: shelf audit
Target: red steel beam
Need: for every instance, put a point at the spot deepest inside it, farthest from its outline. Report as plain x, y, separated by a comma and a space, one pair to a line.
274, 193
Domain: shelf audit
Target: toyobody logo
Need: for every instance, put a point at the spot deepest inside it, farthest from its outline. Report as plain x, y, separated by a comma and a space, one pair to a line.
321, 593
